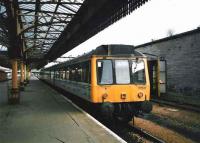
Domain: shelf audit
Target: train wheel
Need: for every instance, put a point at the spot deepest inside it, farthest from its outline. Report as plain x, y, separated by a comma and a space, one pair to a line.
107, 110
127, 119
146, 107
133, 120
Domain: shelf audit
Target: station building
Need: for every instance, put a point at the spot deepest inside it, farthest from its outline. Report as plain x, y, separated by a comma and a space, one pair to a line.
182, 55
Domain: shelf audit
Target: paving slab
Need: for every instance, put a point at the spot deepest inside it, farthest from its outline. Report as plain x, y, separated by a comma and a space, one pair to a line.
44, 116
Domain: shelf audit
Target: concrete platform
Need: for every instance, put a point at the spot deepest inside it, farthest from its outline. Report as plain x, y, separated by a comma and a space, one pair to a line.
3, 92
44, 116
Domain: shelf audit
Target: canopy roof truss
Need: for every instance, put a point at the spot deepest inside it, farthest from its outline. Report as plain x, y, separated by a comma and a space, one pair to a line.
43, 22
39, 31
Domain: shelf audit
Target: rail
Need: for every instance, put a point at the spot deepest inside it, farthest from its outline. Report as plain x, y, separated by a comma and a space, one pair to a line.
178, 105
148, 136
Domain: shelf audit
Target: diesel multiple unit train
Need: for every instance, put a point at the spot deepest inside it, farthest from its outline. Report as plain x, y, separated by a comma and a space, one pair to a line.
113, 78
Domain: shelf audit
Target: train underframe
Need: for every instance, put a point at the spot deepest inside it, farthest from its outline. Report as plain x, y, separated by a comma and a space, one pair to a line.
124, 111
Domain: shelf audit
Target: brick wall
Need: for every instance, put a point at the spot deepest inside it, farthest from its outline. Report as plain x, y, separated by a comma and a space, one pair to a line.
182, 53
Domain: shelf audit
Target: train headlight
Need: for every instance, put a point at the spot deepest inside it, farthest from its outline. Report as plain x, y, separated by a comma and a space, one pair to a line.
105, 95
140, 95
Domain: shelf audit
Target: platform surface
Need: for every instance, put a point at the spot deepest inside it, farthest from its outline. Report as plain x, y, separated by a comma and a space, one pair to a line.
44, 116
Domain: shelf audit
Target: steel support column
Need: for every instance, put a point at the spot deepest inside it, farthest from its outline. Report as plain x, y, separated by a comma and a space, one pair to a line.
25, 74
28, 74
15, 96
26, 70
22, 76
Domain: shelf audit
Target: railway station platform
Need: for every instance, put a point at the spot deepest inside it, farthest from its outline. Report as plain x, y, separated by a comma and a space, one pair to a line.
45, 116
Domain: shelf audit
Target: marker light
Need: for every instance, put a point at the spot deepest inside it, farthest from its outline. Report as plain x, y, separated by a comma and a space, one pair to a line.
140, 95
123, 95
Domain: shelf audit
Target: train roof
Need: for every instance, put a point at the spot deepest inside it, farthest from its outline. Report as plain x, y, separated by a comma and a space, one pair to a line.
110, 50
104, 50
3, 69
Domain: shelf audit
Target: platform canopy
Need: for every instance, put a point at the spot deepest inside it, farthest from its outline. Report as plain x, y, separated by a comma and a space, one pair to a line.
39, 31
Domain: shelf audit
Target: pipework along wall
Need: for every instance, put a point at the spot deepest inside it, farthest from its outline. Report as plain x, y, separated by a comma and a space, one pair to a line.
182, 54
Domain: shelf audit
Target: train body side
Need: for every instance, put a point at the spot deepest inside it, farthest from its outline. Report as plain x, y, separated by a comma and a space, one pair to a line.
3, 75
93, 92
80, 89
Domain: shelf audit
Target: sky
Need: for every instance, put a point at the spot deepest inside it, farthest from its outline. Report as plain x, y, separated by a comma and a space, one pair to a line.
151, 21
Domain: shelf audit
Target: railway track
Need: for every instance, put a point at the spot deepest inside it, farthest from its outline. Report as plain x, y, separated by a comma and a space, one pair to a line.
178, 105
133, 134
146, 135
130, 128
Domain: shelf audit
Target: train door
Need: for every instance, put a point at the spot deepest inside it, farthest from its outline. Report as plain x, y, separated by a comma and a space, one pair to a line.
157, 76
52, 75
152, 77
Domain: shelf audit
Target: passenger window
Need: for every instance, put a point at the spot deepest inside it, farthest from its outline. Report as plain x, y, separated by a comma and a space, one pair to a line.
67, 74
85, 72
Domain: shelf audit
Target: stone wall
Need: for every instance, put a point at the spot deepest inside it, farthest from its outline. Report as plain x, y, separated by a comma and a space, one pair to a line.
182, 54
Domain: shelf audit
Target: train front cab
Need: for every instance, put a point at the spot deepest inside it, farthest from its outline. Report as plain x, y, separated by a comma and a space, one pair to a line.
121, 85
